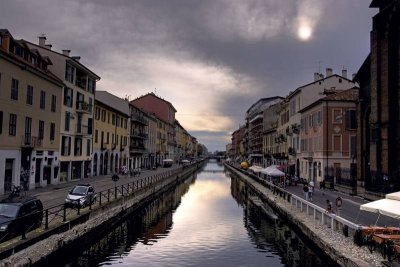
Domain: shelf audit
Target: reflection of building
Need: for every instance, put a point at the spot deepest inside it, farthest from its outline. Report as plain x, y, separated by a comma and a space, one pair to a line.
111, 128
30, 110
76, 110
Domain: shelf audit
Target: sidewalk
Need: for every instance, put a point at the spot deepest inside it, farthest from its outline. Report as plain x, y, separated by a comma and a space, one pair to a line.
96, 181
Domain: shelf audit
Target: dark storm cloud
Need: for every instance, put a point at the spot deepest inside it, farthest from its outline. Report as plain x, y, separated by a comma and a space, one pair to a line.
213, 57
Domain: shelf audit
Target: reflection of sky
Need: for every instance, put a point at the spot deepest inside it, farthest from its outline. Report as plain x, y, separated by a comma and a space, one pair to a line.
207, 230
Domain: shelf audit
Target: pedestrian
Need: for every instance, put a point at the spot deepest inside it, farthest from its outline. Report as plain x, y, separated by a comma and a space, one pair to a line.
310, 192
322, 186
305, 190
329, 208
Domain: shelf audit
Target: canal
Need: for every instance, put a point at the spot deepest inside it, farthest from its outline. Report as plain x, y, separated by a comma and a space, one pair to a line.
211, 219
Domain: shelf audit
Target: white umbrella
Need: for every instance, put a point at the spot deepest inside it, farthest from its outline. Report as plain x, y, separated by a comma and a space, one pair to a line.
185, 161
168, 160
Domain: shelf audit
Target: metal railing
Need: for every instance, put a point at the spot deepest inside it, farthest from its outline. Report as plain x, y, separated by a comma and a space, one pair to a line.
58, 215
334, 221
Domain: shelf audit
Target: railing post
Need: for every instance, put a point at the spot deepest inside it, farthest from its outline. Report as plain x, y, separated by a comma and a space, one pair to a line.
46, 221
64, 214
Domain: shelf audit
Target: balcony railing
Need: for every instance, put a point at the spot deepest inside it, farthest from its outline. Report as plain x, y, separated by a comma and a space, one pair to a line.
139, 119
31, 141
83, 107
137, 134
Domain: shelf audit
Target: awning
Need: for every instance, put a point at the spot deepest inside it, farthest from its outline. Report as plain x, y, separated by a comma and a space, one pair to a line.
272, 171
388, 207
394, 196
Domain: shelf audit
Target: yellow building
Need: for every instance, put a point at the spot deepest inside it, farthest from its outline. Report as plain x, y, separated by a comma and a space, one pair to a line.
111, 134
30, 111
76, 126
180, 141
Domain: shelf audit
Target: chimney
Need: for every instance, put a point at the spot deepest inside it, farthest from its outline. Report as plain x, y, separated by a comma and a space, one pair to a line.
66, 52
42, 40
353, 75
321, 76
316, 76
329, 72
76, 58
48, 46
344, 73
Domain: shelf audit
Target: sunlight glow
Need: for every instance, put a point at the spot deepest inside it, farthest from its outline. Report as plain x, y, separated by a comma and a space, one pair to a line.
304, 32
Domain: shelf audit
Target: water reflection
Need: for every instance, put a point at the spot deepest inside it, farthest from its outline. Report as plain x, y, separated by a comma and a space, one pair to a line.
209, 220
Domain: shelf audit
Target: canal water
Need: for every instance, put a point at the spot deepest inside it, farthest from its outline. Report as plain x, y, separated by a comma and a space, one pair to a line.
211, 219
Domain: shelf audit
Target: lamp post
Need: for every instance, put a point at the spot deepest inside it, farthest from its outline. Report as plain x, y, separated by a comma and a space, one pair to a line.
353, 174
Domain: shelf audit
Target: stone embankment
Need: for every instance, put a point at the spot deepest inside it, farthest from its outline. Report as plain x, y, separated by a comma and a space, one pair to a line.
101, 219
338, 247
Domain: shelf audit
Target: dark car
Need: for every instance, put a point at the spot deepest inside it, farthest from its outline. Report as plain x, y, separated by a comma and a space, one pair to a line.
19, 215
81, 195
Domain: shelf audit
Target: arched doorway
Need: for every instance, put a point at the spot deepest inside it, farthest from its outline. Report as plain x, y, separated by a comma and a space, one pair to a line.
116, 163
95, 164
101, 164
105, 163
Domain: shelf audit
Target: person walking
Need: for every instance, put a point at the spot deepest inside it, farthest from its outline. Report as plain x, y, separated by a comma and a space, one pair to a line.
310, 192
305, 190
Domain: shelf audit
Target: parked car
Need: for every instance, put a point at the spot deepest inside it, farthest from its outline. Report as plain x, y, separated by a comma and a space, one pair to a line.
81, 195
19, 215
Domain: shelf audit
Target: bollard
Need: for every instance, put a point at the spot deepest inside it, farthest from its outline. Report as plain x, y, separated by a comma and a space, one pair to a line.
46, 223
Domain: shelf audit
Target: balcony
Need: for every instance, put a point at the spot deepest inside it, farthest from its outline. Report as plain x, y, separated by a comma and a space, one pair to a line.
138, 134
29, 141
137, 148
139, 119
82, 130
291, 151
83, 107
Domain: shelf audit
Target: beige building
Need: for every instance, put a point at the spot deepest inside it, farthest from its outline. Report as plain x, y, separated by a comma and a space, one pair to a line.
30, 109
76, 126
111, 134
151, 141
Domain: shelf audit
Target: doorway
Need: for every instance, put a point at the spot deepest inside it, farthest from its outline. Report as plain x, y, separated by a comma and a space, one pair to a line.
38, 172
8, 174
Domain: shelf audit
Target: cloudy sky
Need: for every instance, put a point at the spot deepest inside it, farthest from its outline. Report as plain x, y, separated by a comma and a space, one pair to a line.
212, 59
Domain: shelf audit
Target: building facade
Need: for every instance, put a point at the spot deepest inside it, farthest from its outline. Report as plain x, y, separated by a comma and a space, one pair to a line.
30, 110
111, 134
76, 127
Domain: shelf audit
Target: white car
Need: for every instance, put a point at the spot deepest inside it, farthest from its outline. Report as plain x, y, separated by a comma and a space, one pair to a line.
81, 195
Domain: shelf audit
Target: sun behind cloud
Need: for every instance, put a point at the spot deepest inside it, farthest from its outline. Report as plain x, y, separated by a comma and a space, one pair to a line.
304, 32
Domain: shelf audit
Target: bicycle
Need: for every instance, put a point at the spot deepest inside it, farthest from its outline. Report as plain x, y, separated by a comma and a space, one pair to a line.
17, 191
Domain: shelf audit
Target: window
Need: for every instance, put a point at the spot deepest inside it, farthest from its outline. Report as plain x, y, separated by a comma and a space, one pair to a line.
68, 96
14, 89
108, 115
90, 125
103, 115
108, 137
113, 119
67, 118
69, 73
1, 122
12, 125
29, 95
52, 131
112, 139
78, 147
88, 147
41, 130
337, 116
97, 113
91, 85
96, 135
351, 120
117, 121
53, 103
42, 99
80, 98
65, 146
337, 143
353, 146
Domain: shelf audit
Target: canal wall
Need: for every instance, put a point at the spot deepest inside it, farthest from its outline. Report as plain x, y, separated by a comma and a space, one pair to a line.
335, 245
96, 222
